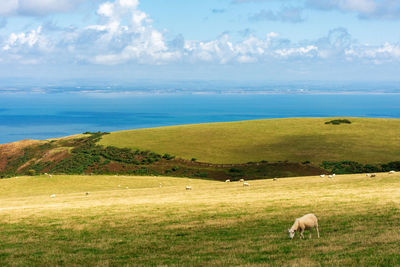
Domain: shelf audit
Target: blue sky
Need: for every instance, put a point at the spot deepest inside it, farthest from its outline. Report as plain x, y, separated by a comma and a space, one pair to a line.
239, 40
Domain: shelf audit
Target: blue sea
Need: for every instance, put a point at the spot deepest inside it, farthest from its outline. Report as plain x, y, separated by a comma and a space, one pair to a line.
42, 116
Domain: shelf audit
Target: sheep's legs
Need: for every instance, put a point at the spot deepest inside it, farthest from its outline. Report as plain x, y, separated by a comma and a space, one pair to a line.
301, 234
310, 236
316, 227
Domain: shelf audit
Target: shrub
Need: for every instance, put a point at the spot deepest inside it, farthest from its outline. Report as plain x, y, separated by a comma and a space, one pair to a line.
168, 157
338, 122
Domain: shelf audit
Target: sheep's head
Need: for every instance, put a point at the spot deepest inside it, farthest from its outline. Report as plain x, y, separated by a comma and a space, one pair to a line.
291, 233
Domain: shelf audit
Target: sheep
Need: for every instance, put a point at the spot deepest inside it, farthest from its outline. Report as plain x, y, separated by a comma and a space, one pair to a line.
126, 187
322, 175
188, 187
373, 175
50, 175
275, 179
333, 175
392, 172
228, 181
368, 175
53, 196
246, 184
241, 180
87, 193
307, 222
330, 176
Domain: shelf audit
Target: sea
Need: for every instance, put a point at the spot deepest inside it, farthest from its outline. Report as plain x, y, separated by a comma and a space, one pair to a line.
43, 116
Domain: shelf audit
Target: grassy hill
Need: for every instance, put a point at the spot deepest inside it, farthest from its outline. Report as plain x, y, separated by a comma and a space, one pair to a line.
296, 139
133, 221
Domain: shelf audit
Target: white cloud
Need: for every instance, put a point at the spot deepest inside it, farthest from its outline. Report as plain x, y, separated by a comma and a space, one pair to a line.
125, 34
378, 54
118, 41
365, 9
33, 39
297, 51
36, 7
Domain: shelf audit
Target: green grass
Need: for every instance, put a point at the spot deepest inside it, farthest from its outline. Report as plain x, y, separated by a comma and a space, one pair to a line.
297, 140
215, 224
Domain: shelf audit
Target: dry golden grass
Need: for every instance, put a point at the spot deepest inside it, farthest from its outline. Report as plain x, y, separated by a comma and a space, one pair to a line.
215, 224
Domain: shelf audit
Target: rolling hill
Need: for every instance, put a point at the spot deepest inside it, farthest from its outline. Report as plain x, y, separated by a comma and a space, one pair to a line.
252, 149
296, 140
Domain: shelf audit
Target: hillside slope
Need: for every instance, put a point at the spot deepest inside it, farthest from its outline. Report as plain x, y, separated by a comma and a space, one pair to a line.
296, 140
126, 221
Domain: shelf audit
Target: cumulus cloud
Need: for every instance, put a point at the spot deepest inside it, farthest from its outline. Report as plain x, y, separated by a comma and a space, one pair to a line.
21, 42
125, 34
36, 7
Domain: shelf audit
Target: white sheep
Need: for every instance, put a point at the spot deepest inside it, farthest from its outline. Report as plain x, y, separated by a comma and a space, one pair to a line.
241, 180
188, 187
53, 196
246, 184
275, 179
322, 175
333, 175
228, 181
330, 176
307, 222
368, 175
392, 172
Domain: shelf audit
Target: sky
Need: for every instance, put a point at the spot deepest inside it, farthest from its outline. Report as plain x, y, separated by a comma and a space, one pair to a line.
227, 40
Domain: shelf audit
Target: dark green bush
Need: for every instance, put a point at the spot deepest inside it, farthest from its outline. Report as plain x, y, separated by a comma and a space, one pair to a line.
339, 121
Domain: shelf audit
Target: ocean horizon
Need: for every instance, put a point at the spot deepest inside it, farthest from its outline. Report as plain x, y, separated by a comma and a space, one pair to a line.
44, 116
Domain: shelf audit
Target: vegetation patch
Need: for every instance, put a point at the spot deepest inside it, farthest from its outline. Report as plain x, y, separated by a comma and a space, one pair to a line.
351, 167
338, 122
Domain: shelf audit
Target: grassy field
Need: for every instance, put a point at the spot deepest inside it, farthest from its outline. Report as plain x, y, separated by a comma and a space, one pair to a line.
296, 140
132, 221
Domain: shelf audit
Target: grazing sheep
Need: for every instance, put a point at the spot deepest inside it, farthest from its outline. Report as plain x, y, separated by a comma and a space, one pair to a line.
188, 187
392, 172
50, 175
53, 196
87, 193
368, 175
307, 222
275, 179
246, 184
228, 181
333, 175
241, 180
127, 187
373, 175
330, 176
322, 175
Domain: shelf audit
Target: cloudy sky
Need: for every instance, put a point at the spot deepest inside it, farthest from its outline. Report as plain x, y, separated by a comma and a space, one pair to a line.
265, 40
